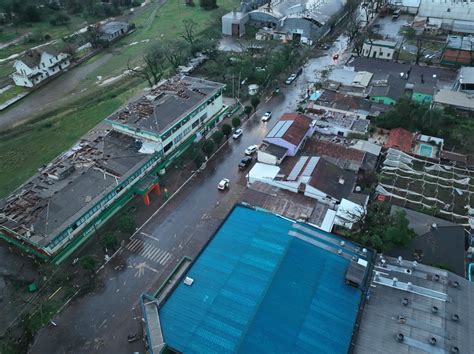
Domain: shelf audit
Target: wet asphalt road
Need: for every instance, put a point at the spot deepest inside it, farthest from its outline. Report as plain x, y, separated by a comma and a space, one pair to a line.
100, 322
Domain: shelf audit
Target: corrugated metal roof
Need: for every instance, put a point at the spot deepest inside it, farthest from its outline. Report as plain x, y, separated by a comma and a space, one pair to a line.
295, 172
279, 129
257, 289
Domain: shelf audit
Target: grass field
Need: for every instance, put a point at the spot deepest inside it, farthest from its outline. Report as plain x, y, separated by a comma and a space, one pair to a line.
14, 91
26, 148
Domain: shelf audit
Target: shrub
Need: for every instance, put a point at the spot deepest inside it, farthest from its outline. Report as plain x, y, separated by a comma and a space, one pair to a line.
236, 122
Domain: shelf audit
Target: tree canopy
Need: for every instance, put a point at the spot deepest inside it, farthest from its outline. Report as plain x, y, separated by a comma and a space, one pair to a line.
381, 230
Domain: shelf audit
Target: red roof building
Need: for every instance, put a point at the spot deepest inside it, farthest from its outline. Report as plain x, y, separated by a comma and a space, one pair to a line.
400, 139
291, 131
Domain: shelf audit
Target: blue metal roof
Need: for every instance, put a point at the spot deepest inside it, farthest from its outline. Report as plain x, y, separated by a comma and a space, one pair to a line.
258, 289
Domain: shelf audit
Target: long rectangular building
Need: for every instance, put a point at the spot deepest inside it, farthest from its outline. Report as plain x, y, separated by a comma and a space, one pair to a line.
61, 206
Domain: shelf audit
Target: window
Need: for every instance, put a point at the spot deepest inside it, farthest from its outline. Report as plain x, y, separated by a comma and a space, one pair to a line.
168, 147
195, 124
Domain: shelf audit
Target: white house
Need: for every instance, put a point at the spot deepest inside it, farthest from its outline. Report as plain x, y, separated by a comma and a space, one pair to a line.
379, 49
37, 65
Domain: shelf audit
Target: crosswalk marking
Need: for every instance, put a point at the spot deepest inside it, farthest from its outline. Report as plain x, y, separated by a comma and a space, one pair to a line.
149, 251
164, 260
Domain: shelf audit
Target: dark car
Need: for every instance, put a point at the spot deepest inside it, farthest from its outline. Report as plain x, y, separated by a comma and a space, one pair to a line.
245, 162
299, 72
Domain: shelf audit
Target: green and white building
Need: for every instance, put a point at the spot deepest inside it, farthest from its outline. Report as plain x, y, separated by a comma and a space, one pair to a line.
58, 209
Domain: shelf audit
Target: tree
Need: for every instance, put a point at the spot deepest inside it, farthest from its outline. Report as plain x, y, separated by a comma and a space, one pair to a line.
175, 52
208, 147
93, 36
127, 224
255, 101
208, 4
153, 67
410, 35
30, 14
60, 19
226, 130
353, 26
378, 228
217, 137
236, 122
248, 110
188, 34
109, 240
88, 263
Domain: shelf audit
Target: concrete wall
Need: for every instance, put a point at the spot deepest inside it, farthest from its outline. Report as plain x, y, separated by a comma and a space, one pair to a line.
267, 158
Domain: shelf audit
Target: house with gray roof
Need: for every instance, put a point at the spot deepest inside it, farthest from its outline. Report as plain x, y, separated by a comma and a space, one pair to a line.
113, 30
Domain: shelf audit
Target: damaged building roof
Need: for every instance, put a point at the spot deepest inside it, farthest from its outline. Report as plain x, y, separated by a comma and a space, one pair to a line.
70, 185
166, 104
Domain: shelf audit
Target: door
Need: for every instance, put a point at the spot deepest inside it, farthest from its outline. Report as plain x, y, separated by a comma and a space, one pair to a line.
235, 29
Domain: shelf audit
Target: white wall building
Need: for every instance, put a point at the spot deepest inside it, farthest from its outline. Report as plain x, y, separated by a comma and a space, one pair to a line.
38, 65
379, 49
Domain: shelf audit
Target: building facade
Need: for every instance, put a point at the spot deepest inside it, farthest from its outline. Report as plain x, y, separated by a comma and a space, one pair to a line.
379, 49
38, 65
61, 207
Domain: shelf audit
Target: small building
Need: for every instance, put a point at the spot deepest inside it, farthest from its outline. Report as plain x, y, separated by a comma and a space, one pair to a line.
465, 80
401, 139
340, 103
291, 131
39, 64
381, 49
271, 154
387, 90
438, 242
113, 30
459, 51
340, 124
459, 100
344, 81
233, 23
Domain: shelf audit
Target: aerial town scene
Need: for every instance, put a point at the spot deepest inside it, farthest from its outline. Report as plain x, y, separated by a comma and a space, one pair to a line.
236, 176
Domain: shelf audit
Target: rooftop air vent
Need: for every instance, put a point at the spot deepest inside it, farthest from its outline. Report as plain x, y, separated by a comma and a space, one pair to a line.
434, 309
395, 280
436, 277
405, 301
399, 260
455, 284
188, 281
454, 350
400, 337
402, 319
432, 340
342, 243
455, 317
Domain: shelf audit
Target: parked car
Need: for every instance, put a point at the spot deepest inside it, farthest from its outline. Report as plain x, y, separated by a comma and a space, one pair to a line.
396, 14
245, 162
223, 184
290, 79
251, 149
237, 133
266, 116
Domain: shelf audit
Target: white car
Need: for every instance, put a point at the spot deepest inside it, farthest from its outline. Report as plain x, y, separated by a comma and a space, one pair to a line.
251, 149
223, 184
290, 79
237, 134
266, 116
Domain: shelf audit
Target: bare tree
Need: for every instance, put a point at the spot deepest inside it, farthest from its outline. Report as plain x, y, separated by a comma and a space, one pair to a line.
175, 53
353, 27
153, 67
188, 33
